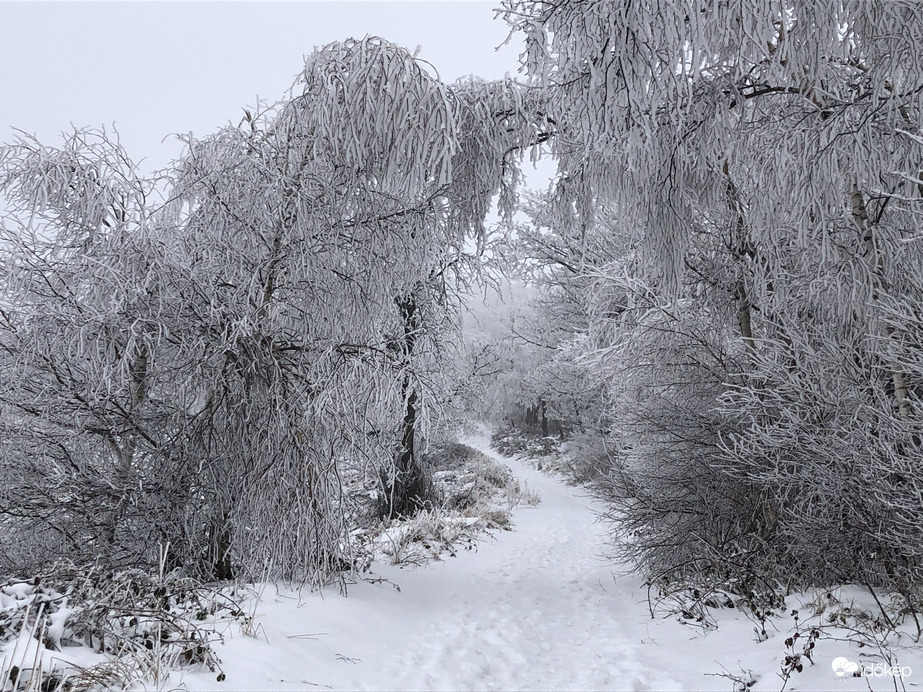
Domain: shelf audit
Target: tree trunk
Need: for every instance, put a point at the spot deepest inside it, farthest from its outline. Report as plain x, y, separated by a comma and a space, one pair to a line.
221, 542
861, 218
743, 248
407, 489
125, 448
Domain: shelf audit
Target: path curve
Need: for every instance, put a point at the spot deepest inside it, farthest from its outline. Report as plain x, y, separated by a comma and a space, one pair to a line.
535, 608
532, 608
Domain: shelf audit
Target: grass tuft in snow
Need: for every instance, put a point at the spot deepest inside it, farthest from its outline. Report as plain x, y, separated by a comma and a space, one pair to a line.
81, 628
475, 495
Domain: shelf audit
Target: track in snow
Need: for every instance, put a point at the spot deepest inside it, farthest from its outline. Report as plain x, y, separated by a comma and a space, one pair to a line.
532, 608
535, 608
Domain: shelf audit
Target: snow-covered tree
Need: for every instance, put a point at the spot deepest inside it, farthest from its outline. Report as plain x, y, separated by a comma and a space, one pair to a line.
555, 255
92, 406
285, 312
766, 158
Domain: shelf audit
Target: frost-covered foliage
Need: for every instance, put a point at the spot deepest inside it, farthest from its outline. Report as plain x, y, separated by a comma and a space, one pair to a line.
81, 628
93, 420
194, 373
758, 339
473, 494
658, 101
543, 386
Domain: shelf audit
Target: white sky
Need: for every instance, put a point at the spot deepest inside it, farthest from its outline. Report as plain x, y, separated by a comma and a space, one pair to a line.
157, 68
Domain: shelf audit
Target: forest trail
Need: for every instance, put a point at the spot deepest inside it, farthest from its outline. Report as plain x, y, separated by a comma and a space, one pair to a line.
532, 608
535, 608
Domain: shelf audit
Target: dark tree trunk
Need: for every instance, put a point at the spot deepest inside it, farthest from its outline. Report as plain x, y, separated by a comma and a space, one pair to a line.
222, 568
544, 409
530, 417
408, 489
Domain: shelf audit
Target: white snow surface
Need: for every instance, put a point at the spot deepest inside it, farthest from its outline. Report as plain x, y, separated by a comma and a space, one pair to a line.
538, 607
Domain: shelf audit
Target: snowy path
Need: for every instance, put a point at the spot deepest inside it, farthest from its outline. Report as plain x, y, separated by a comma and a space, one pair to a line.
532, 608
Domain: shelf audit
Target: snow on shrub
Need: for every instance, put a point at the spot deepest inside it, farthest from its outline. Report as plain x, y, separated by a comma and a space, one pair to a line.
79, 628
475, 494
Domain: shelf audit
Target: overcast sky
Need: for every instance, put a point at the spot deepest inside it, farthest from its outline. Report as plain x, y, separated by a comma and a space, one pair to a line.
156, 68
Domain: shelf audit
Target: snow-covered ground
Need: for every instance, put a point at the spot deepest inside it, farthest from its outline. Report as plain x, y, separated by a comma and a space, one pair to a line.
539, 607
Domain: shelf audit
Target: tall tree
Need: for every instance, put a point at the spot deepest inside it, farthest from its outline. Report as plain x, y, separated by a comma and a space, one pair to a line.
92, 403
285, 311
767, 159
